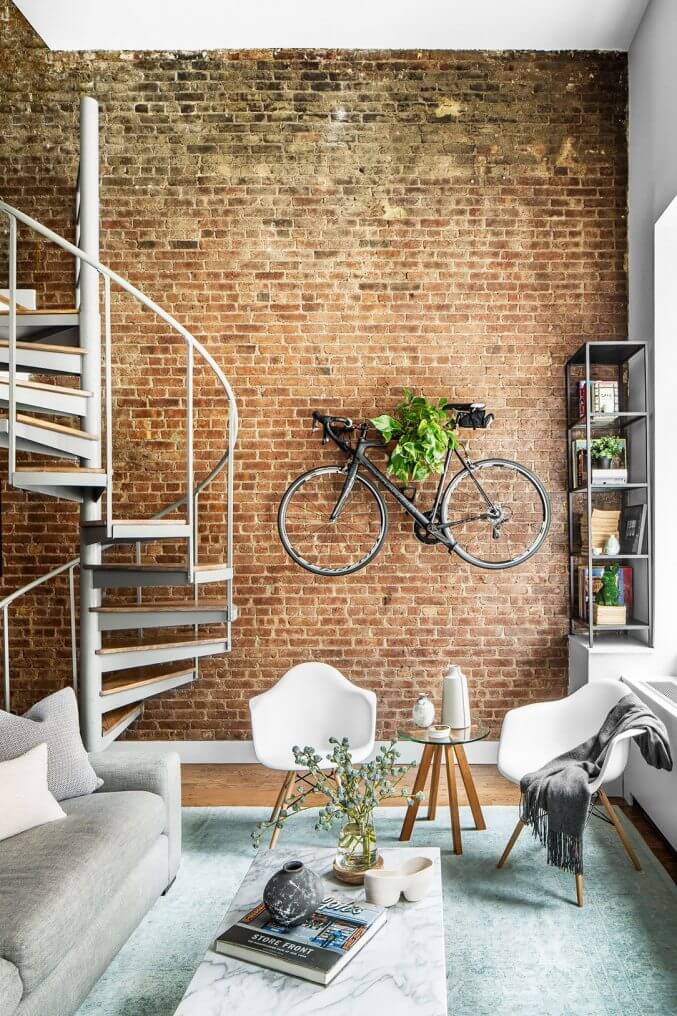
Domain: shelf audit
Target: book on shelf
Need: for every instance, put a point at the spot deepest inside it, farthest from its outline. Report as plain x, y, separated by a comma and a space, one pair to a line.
603, 397
604, 523
631, 528
583, 588
316, 950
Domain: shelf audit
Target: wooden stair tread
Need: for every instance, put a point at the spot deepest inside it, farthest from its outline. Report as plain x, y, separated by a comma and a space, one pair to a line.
39, 386
59, 428
45, 347
138, 567
59, 469
141, 647
136, 608
110, 685
211, 567
20, 309
137, 522
117, 716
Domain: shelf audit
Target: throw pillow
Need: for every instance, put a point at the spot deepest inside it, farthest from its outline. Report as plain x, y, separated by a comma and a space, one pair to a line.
54, 722
25, 801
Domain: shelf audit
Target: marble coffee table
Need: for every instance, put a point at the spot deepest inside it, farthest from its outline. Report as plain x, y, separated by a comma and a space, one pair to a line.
401, 971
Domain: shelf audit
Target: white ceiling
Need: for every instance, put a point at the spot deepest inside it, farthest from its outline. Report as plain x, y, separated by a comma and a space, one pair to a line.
354, 24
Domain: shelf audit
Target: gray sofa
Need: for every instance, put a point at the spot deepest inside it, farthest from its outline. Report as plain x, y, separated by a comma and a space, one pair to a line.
73, 891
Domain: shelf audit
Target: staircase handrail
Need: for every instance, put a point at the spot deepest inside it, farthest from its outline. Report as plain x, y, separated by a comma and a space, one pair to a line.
233, 426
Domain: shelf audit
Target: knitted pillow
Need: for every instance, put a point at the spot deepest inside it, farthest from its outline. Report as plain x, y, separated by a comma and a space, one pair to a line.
54, 722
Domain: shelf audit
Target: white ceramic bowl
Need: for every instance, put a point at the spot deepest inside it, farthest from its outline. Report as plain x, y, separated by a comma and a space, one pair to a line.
414, 878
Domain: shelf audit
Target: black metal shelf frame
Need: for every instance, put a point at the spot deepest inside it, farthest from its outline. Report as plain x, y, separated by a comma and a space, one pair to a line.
620, 354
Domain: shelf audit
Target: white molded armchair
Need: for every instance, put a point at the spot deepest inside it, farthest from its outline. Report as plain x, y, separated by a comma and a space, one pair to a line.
533, 735
310, 704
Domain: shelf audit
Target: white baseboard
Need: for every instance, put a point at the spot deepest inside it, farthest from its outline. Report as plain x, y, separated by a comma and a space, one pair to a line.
242, 752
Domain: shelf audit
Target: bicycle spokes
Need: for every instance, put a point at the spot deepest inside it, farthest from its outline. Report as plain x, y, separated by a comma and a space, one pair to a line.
496, 512
315, 541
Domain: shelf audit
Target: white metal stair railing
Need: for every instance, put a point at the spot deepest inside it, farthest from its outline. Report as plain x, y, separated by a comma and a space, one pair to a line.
71, 443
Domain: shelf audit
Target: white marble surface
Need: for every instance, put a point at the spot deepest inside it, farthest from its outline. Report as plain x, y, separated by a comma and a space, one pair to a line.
400, 971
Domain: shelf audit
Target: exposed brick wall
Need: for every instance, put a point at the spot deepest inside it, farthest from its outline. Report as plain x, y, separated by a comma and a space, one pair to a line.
334, 226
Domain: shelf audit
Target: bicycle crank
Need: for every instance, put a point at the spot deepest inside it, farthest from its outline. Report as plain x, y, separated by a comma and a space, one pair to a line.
422, 534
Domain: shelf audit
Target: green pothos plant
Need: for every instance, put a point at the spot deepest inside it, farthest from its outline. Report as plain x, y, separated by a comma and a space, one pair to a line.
352, 791
423, 431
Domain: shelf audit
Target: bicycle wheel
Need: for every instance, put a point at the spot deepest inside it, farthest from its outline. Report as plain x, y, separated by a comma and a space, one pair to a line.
498, 511
331, 548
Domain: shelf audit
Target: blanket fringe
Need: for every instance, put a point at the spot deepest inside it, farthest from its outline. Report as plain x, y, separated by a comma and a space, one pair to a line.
563, 850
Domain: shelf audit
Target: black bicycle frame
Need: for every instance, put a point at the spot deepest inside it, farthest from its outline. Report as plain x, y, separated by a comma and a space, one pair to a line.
358, 458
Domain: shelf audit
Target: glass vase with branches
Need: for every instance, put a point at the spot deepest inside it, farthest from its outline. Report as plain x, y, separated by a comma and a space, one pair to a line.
352, 792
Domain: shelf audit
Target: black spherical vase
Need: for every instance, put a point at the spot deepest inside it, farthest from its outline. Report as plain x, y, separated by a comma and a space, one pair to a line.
292, 894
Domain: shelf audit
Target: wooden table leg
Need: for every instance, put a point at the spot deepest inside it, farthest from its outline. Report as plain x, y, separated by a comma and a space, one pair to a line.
435, 781
421, 777
286, 794
453, 799
470, 788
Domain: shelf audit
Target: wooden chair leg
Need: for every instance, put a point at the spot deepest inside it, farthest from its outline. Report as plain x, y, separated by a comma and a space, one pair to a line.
579, 890
620, 830
286, 792
511, 842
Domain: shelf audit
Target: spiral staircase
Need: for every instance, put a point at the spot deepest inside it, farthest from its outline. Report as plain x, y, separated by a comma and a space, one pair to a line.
59, 433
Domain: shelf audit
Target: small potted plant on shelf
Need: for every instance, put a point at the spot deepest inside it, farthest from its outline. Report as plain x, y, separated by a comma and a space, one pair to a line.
608, 608
605, 449
352, 792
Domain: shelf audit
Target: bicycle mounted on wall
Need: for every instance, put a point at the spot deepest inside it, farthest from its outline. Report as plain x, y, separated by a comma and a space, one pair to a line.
332, 520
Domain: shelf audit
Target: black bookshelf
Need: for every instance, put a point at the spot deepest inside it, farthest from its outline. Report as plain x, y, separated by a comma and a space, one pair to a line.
624, 363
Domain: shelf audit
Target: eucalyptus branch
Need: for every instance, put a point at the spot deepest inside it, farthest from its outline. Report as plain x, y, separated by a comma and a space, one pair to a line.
352, 792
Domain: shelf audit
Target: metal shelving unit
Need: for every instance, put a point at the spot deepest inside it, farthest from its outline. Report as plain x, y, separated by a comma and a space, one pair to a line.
625, 362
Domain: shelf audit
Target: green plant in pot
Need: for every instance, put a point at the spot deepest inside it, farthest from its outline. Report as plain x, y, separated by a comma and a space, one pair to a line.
352, 792
605, 449
608, 606
423, 431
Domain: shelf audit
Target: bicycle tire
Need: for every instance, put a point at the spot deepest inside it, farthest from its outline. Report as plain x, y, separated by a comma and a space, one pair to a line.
545, 527
292, 551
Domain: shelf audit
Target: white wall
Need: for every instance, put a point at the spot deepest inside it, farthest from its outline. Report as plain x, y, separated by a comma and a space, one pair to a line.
653, 280
653, 150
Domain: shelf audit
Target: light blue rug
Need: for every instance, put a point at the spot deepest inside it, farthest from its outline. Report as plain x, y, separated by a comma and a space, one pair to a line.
516, 943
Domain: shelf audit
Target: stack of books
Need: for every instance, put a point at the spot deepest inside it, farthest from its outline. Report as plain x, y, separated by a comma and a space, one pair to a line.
603, 397
604, 524
316, 950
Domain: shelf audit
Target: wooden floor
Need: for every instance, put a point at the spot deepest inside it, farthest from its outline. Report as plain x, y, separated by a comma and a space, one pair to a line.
237, 785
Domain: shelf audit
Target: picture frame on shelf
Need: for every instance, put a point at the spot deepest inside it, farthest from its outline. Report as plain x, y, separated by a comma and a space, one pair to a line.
632, 527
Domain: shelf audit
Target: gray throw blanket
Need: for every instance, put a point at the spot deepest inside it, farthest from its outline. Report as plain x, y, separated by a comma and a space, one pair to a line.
556, 800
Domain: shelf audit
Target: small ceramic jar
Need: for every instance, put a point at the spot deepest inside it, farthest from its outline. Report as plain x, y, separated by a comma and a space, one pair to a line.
423, 712
292, 894
612, 547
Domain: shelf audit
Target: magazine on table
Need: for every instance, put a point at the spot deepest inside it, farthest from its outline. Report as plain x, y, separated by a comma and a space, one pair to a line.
316, 950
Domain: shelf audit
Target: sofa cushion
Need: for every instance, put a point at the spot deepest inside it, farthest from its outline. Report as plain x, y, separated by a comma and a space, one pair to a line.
54, 722
11, 988
55, 878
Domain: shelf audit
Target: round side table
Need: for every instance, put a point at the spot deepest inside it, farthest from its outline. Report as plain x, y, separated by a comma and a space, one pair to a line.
454, 755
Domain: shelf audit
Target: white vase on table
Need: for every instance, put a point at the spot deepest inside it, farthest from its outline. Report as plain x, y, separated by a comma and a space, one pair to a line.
423, 712
455, 699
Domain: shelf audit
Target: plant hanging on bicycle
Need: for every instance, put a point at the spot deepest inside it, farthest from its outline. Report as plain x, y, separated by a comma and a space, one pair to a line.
493, 513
